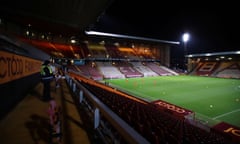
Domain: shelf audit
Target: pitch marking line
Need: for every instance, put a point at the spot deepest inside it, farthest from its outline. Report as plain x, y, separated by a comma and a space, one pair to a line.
222, 115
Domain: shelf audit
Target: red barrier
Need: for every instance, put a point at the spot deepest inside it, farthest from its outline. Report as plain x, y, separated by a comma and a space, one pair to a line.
229, 131
173, 109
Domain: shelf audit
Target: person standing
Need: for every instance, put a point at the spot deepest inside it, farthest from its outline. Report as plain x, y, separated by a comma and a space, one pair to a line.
46, 78
58, 79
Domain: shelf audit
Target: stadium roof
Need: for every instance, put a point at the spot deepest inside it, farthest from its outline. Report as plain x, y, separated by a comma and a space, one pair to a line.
214, 54
130, 37
66, 17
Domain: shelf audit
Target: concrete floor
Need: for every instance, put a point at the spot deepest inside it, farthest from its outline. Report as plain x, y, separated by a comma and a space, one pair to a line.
28, 122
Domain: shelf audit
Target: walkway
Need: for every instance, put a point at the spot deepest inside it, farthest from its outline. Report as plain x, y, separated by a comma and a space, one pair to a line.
28, 122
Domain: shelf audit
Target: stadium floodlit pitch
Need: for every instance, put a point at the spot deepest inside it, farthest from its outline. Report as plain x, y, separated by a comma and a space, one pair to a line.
213, 99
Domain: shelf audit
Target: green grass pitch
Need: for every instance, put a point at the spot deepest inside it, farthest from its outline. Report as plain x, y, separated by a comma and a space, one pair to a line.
216, 99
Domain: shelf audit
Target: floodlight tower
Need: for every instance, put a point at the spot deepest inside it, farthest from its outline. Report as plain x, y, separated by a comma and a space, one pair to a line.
185, 39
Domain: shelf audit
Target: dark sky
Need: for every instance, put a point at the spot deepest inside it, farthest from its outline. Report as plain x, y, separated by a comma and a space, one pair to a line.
213, 27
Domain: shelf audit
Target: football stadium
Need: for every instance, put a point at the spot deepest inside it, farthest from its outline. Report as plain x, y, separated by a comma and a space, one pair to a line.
132, 94
206, 97
126, 89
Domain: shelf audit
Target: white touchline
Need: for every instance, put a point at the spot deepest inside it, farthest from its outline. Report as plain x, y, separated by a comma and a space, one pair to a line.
226, 114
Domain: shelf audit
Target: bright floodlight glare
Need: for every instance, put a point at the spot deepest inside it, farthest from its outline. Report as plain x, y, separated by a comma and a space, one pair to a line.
185, 37
73, 41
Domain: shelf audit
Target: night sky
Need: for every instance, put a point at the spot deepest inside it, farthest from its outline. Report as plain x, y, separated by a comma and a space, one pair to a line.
213, 27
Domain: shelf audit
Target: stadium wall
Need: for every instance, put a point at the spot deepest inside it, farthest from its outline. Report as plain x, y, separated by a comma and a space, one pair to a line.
19, 72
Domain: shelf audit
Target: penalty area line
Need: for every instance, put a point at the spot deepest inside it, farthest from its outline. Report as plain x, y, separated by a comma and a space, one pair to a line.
222, 115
